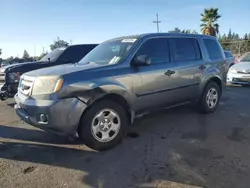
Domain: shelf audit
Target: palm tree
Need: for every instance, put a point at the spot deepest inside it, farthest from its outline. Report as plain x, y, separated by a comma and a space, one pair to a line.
209, 19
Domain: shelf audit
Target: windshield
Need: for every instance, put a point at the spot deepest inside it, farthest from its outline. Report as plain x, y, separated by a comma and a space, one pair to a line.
247, 58
53, 55
110, 52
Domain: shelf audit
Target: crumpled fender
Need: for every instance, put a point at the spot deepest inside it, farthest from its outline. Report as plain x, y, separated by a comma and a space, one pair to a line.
89, 92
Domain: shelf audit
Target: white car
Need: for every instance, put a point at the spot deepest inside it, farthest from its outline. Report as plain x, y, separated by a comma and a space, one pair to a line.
240, 72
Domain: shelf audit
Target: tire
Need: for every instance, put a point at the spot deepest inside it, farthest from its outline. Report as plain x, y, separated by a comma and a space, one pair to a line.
96, 141
203, 103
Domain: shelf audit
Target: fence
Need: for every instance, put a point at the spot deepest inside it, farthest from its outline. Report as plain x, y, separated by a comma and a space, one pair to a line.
238, 48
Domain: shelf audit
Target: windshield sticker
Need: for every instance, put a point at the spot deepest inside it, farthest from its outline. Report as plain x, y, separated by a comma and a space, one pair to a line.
129, 40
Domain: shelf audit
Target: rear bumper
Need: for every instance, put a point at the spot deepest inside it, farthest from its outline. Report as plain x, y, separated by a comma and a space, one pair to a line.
236, 78
62, 116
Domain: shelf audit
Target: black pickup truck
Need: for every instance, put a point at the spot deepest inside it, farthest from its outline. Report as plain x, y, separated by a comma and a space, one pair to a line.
10, 75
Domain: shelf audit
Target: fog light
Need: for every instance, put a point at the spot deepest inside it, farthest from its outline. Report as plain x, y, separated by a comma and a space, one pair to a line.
43, 118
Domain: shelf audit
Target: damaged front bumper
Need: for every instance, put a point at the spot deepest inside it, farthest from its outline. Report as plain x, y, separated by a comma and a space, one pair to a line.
60, 116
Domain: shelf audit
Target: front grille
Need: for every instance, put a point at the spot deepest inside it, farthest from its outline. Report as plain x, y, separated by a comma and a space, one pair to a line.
2, 78
241, 80
243, 72
25, 85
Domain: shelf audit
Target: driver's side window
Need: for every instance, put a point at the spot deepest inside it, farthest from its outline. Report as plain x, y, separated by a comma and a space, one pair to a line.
156, 49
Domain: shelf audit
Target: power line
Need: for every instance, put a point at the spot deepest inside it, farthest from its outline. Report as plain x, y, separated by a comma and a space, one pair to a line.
157, 22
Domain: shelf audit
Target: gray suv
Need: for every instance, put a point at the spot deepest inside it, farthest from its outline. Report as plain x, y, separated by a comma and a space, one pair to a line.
119, 80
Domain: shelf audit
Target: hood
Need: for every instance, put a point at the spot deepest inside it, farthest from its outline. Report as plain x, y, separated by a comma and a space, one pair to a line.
62, 69
9, 67
242, 66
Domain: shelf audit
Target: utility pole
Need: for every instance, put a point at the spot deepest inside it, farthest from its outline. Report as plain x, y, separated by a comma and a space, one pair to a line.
157, 22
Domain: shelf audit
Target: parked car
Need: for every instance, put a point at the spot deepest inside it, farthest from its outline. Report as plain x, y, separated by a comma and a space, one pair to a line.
240, 72
10, 75
230, 58
119, 80
5, 63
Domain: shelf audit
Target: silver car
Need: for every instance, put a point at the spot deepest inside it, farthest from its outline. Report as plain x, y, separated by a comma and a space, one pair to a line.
119, 80
240, 72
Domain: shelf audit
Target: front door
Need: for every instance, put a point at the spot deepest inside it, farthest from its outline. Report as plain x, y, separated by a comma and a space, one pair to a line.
156, 83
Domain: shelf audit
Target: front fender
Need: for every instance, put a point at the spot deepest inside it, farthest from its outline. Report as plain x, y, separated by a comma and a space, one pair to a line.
89, 92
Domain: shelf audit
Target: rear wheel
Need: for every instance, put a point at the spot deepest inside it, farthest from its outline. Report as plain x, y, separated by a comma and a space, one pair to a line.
210, 98
103, 125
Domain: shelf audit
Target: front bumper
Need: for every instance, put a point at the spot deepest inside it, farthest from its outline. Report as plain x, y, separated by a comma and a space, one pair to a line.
62, 116
237, 78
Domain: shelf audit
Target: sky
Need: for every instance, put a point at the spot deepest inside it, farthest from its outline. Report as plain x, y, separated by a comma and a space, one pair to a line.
33, 25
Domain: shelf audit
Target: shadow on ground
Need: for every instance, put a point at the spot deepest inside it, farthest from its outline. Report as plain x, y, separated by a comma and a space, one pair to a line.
177, 145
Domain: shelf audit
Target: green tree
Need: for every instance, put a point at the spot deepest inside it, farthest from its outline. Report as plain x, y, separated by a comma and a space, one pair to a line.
229, 35
176, 30
58, 43
209, 20
10, 60
0, 51
194, 32
246, 37
25, 54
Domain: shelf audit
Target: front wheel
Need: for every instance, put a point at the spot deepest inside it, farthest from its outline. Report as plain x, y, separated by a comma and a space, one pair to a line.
103, 125
210, 98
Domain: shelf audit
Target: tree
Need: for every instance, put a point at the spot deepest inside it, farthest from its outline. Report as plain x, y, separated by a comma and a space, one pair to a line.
0, 51
209, 19
230, 36
188, 31
246, 37
10, 60
25, 55
58, 43
194, 32
176, 30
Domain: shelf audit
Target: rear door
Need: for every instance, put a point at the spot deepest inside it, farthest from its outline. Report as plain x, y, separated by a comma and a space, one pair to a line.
186, 55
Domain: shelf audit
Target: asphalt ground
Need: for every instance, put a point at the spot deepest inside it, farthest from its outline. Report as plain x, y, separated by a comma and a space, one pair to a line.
174, 148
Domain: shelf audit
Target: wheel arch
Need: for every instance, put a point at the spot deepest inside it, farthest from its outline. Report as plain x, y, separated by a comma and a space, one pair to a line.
215, 79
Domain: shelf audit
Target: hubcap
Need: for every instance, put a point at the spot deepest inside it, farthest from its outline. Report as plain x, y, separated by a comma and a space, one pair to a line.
212, 98
105, 125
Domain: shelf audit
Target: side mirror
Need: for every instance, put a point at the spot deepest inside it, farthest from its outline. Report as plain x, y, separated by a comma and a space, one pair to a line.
48, 59
141, 60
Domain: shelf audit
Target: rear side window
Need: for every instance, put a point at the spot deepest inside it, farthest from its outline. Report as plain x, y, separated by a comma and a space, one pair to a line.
157, 49
185, 49
213, 49
75, 53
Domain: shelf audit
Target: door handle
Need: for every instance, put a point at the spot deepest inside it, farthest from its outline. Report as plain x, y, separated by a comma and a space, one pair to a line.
169, 73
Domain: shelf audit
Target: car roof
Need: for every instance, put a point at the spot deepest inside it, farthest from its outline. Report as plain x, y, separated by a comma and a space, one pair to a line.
149, 35
80, 45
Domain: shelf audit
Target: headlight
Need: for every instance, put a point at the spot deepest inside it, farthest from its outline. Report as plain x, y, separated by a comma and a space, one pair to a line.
14, 77
232, 70
47, 85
